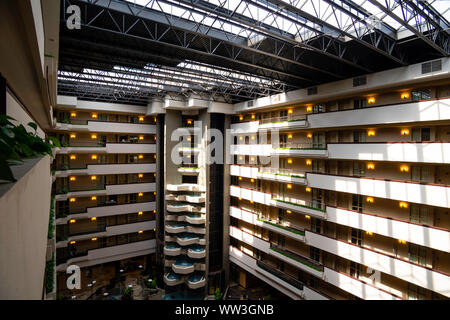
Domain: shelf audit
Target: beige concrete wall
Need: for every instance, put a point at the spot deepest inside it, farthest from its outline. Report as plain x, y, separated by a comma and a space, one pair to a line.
24, 217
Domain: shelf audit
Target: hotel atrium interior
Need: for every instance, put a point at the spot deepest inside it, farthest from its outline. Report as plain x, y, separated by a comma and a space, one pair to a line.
224, 150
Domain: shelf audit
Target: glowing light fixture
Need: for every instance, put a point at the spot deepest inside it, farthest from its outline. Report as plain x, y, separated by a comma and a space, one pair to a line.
72, 220
369, 233
290, 111
240, 198
404, 132
308, 189
73, 178
369, 199
73, 157
289, 186
371, 133
404, 168
72, 242
141, 118
289, 161
140, 213
309, 135
371, 100
141, 137
140, 232
308, 162
154, 156
240, 178
371, 166
252, 180
241, 137
289, 136
401, 241
288, 211
72, 200
94, 239
141, 156
309, 108
140, 194
241, 117
405, 95
94, 157
94, 198
94, 116
94, 219
154, 193
73, 114
93, 178
307, 217
73, 136
140, 175
253, 116
93, 136
403, 205
252, 158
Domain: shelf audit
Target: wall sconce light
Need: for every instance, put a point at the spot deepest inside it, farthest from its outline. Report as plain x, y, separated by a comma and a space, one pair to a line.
154, 211
94, 239
240, 158
289, 161
371, 166
288, 211
73, 157
369, 199
252, 180
369, 233
141, 118
240, 138
240, 198
154, 119
404, 132
154, 193
94, 157
251, 201
290, 111
140, 194
289, 186
308, 162
404, 168
141, 156
140, 213
308, 189
72, 178
94, 198
253, 116
405, 95
241, 117
140, 232
94, 219
93, 136
371, 133
309, 135
403, 205
189, 121
72, 221
73, 136
141, 137
252, 158
154, 156
72, 242
154, 174
93, 178
72, 200
140, 175
154, 138
371, 100
307, 217
73, 114
309, 108
401, 241
253, 137
289, 136
188, 138
240, 178
94, 116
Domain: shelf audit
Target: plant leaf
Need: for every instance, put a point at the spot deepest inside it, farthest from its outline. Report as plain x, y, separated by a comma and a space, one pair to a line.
5, 171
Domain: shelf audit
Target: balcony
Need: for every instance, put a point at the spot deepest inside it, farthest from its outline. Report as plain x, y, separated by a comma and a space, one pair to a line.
183, 266
101, 189
186, 239
301, 150
284, 228
186, 187
179, 228
357, 287
423, 235
429, 110
185, 208
402, 269
251, 149
189, 170
113, 253
426, 152
280, 275
105, 169
105, 126
119, 148
186, 198
268, 173
297, 260
196, 252
172, 250
287, 123
313, 208
429, 194
251, 195
189, 218
172, 279
196, 281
